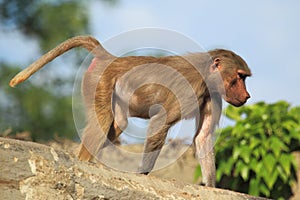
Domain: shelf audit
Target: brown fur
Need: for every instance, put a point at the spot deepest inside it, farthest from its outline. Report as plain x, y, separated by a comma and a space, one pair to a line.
165, 89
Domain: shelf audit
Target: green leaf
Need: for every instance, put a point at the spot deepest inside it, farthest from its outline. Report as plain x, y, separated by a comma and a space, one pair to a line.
245, 154
219, 174
272, 179
254, 142
259, 169
269, 163
281, 173
263, 151
236, 152
232, 113
245, 172
294, 162
225, 167
264, 189
242, 169
253, 164
238, 130
277, 146
264, 174
285, 161
254, 186
197, 173
256, 153
295, 133
289, 124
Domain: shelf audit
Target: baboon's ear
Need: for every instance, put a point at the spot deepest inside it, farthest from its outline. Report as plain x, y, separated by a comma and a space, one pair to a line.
216, 65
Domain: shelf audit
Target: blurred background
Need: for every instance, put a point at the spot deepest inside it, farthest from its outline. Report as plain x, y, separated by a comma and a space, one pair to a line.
264, 33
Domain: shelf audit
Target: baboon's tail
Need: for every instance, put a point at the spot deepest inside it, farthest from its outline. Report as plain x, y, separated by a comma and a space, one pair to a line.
87, 42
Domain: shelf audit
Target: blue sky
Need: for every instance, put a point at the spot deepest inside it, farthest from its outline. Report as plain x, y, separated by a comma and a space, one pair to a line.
264, 33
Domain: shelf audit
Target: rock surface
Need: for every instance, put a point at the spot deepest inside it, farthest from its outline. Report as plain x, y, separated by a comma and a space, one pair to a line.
35, 171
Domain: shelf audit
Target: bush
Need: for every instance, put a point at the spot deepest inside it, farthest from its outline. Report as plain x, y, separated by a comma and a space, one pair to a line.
255, 155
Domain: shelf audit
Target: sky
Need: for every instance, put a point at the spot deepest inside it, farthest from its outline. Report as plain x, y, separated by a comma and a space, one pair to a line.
265, 33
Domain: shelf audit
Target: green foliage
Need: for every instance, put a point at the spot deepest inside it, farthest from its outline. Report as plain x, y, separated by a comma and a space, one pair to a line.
35, 109
255, 156
43, 110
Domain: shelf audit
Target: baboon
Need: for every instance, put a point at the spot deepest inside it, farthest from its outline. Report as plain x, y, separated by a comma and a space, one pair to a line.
162, 89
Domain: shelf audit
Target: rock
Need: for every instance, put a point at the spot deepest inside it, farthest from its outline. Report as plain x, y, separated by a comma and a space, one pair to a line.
35, 171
